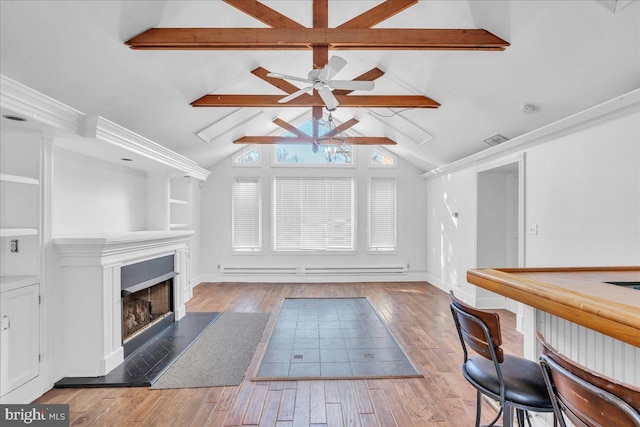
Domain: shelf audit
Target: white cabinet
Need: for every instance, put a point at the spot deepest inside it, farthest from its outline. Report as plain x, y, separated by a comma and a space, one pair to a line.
19, 337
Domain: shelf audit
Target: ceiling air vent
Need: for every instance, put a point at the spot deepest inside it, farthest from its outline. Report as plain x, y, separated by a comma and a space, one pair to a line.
495, 139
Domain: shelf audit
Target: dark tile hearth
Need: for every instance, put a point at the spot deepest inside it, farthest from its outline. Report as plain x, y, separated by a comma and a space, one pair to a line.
143, 367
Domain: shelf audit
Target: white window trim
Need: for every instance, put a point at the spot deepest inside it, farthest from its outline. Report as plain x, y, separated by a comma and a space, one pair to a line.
354, 216
386, 153
246, 150
379, 250
351, 165
248, 251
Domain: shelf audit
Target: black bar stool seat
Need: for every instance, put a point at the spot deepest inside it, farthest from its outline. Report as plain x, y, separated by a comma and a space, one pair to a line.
524, 383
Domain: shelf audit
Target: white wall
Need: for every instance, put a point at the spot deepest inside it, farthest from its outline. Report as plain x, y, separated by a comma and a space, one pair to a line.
94, 196
451, 241
582, 189
216, 220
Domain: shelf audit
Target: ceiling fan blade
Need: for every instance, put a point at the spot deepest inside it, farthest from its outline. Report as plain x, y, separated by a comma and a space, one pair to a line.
334, 65
351, 84
286, 77
313, 74
294, 94
329, 100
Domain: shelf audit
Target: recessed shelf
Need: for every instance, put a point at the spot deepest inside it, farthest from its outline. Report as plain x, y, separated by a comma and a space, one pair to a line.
178, 202
178, 225
13, 282
14, 232
5, 177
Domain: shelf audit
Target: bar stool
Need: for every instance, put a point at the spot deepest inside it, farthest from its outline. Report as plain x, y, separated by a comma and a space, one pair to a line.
515, 382
584, 397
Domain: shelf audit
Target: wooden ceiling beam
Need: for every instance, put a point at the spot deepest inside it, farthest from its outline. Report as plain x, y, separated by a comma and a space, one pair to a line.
354, 140
306, 38
371, 75
274, 140
378, 14
370, 101
290, 128
369, 140
264, 14
320, 13
281, 84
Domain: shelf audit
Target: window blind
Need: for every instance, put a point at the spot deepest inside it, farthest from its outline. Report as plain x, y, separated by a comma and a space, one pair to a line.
382, 214
246, 214
313, 214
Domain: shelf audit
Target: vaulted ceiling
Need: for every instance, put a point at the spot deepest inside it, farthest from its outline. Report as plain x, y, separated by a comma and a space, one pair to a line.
192, 75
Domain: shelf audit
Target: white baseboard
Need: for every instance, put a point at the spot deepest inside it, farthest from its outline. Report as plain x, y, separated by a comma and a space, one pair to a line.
490, 303
447, 287
410, 276
26, 393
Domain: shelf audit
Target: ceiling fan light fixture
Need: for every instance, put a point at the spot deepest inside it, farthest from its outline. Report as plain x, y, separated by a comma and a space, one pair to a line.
320, 80
332, 141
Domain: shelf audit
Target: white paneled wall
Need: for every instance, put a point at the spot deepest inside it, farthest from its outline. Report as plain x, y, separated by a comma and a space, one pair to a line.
592, 349
596, 351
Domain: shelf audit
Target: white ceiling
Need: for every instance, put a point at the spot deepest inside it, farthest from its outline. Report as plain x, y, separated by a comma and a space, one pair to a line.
565, 56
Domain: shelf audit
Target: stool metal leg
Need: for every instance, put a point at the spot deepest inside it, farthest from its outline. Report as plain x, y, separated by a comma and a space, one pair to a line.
478, 408
507, 416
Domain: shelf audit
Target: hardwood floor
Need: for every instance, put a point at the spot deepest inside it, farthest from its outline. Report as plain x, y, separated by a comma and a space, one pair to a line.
416, 313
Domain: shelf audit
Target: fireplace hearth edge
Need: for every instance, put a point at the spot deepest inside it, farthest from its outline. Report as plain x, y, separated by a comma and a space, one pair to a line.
149, 362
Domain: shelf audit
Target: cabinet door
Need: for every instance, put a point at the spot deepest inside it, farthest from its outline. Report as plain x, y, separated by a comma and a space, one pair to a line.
19, 337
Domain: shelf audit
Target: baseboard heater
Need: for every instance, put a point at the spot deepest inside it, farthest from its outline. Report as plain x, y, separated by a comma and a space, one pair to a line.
313, 270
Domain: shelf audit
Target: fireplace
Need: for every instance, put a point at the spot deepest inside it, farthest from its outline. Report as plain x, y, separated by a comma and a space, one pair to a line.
142, 309
147, 300
99, 271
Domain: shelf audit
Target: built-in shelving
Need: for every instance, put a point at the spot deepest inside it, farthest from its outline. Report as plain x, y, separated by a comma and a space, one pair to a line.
17, 232
178, 225
21, 246
179, 201
5, 177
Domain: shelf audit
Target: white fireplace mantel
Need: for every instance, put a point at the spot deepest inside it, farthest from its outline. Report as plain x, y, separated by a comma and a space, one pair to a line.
106, 248
90, 267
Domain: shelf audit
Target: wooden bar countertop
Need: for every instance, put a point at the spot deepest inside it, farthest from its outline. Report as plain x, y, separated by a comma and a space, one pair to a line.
577, 294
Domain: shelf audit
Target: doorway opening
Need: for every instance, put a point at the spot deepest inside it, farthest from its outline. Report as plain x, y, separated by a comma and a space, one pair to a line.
500, 224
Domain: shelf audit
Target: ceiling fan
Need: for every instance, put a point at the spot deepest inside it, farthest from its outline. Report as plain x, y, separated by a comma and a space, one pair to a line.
320, 79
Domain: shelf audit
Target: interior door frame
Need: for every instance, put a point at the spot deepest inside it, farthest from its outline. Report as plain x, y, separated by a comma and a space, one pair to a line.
518, 159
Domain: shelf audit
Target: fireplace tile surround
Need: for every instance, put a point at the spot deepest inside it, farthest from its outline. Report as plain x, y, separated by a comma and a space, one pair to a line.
90, 292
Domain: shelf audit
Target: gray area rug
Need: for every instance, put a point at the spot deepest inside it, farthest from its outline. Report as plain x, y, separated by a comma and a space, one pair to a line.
220, 356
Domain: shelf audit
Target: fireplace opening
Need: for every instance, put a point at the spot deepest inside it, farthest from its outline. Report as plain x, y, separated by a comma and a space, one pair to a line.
143, 308
147, 301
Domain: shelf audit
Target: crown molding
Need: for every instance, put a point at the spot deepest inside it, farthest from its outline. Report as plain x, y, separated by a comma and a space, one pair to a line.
105, 130
34, 105
617, 106
66, 121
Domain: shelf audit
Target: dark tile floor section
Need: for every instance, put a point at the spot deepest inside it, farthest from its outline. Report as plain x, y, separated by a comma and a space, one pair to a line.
144, 366
332, 337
